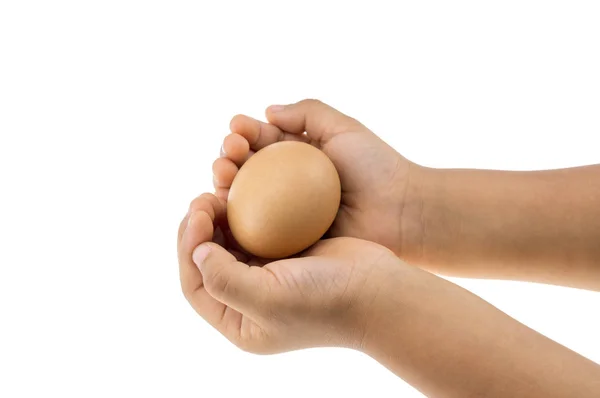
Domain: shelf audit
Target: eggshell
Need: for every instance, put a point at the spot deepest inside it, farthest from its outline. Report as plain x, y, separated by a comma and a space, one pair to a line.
283, 199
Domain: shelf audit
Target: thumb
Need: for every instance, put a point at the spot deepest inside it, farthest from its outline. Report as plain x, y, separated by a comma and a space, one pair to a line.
227, 280
319, 120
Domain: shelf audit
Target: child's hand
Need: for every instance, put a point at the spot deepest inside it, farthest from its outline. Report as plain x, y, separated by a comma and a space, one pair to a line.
376, 195
347, 292
318, 299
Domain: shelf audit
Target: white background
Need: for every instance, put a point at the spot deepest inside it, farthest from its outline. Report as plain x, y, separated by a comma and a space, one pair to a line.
111, 113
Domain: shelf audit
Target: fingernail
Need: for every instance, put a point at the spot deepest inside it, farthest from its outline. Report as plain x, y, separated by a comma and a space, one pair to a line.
222, 150
276, 108
200, 254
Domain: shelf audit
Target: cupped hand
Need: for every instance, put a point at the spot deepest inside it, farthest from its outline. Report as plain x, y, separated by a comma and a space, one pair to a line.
323, 297
375, 178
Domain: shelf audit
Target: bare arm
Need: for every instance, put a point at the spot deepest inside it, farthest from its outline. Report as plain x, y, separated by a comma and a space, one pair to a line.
353, 293
541, 226
447, 342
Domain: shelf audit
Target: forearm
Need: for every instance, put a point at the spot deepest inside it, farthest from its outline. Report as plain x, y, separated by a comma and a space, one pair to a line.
541, 226
446, 342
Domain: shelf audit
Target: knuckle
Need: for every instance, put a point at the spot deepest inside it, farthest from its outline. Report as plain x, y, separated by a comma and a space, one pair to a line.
206, 196
311, 102
214, 280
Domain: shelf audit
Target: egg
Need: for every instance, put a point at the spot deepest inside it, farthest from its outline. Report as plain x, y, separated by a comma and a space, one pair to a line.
283, 199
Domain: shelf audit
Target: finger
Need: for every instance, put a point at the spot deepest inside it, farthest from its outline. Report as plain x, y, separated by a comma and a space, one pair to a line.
196, 204
236, 148
222, 193
229, 281
199, 229
216, 208
198, 226
182, 227
212, 205
220, 239
250, 153
320, 121
224, 171
260, 134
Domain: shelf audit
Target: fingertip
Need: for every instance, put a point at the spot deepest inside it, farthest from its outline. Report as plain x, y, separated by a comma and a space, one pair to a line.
194, 218
206, 202
248, 127
272, 112
236, 123
199, 228
283, 117
319, 120
236, 148
199, 254
224, 171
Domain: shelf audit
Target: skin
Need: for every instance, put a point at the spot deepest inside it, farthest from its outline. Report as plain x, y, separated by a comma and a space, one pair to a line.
268, 307
353, 293
373, 175
537, 226
355, 290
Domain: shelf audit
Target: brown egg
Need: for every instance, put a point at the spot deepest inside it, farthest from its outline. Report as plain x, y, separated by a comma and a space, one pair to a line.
283, 199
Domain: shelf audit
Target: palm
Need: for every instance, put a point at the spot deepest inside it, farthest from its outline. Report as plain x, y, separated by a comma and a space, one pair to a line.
324, 277
324, 267
319, 278
321, 268
276, 306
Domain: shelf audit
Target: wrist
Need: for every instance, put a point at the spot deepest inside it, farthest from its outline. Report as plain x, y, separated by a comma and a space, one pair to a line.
382, 294
419, 198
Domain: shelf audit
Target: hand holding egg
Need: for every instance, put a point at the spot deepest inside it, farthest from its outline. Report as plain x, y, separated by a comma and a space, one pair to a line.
374, 177
315, 299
